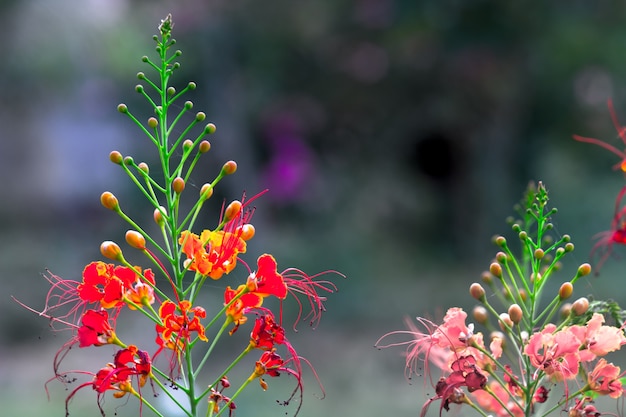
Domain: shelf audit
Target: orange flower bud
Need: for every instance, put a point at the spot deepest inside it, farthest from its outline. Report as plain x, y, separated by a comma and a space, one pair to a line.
539, 253
584, 269
515, 313
566, 310
158, 215
232, 210
153, 122
247, 231
229, 167
487, 278
496, 270
111, 250
204, 146
206, 191
136, 239
116, 157
109, 201
566, 290
178, 185
477, 291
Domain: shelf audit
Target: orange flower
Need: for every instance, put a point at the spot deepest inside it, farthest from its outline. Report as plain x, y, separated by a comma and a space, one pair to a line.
176, 329
212, 254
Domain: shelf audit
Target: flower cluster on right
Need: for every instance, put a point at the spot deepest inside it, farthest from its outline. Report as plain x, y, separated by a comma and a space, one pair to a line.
540, 352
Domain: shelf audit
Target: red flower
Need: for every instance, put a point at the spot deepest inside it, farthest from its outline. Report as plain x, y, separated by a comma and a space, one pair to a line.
267, 333
237, 309
95, 329
617, 234
116, 376
266, 280
175, 332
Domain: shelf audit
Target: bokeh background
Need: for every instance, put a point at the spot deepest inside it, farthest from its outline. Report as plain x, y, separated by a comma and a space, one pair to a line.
394, 136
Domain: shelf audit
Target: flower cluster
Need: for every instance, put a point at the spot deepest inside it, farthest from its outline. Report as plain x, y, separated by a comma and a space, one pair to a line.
167, 295
535, 356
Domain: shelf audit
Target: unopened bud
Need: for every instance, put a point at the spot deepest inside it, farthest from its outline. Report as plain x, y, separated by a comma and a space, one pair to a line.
515, 313
566, 290
496, 270
171, 91
200, 116
246, 231
477, 291
569, 247
505, 321
229, 167
559, 252
500, 241
153, 122
206, 191
122, 108
158, 215
580, 306
232, 210
204, 146
135, 240
480, 314
487, 278
523, 236
129, 160
109, 201
178, 185
111, 250
539, 253
144, 168
209, 129
535, 277
187, 144
191, 85
139, 88
116, 157
501, 257
523, 294
584, 269
566, 310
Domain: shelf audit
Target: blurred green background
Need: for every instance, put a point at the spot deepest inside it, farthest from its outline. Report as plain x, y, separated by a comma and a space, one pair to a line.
394, 136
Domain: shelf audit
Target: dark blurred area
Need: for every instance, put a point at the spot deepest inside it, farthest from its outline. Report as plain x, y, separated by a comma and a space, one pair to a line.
394, 137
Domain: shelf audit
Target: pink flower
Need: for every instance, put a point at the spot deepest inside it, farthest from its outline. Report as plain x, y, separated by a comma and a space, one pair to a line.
453, 333
556, 354
605, 379
488, 402
596, 339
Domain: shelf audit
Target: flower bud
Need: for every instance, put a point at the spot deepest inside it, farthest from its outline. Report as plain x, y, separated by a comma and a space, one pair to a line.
188, 105
523, 236
153, 122
246, 231
158, 215
200, 116
111, 250
523, 294
209, 129
515, 313
204, 146
135, 240
122, 108
539, 253
500, 241
178, 185
116, 157
232, 210
496, 270
187, 145
170, 91
109, 201
129, 160
580, 306
559, 252
141, 76
191, 85
501, 257
566, 290
144, 168
535, 277
569, 247
229, 168
487, 278
206, 191
477, 291
139, 88
480, 315
504, 321
566, 310
584, 269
